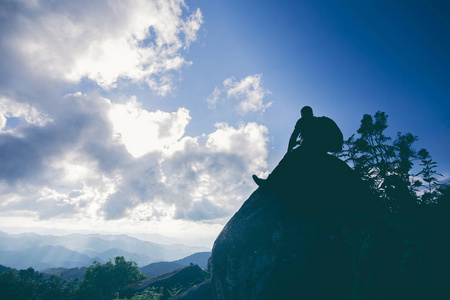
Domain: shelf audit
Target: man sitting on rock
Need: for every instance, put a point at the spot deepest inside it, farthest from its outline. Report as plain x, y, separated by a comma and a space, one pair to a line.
314, 136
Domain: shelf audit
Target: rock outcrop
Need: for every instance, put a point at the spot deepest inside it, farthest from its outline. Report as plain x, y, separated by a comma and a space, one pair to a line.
315, 231
186, 276
201, 291
290, 239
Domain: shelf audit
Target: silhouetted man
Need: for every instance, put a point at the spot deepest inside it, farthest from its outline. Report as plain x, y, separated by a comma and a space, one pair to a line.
305, 129
314, 135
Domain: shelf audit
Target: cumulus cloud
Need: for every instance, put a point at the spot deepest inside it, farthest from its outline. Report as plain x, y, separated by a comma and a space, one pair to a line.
45, 168
217, 170
196, 178
248, 142
102, 40
88, 155
201, 210
25, 111
214, 98
250, 93
84, 164
142, 131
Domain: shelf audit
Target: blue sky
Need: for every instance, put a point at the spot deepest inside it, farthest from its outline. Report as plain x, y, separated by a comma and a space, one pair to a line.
151, 117
343, 58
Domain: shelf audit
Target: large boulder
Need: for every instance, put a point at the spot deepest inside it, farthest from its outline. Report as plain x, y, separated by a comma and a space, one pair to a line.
312, 232
315, 231
286, 239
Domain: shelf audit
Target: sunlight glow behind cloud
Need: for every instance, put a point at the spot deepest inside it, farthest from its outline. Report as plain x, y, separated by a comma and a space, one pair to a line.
248, 141
107, 40
142, 131
87, 149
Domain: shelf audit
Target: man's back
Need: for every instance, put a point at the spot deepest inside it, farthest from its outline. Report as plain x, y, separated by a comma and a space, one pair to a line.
319, 134
331, 138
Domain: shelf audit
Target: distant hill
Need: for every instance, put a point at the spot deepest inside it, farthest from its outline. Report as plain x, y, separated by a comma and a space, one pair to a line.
155, 269
44, 257
150, 270
72, 273
138, 258
3, 269
21, 251
199, 258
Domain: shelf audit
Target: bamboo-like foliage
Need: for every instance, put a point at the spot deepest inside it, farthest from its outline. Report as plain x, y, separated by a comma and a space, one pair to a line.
387, 166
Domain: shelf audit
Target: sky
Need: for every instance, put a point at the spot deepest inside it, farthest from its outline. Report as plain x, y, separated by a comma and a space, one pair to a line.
149, 117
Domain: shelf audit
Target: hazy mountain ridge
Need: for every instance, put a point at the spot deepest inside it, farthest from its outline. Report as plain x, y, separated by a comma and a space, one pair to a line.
158, 268
43, 257
66, 273
150, 270
199, 258
78, 250
3, 269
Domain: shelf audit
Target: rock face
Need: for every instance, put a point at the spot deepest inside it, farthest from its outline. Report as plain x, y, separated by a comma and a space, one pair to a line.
314, 231
288, 240
190, 275
201, 291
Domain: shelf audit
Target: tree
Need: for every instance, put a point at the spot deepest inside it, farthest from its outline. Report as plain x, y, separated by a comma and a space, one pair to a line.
370, 154
405, 155
429, 175
102, 281
387, 167
29, 284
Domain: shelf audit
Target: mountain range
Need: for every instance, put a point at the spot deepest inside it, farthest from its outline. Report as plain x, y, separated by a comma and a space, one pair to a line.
21, 251
150, 270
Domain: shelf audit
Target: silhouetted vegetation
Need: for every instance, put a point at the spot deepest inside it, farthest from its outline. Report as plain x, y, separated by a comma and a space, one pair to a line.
387, 166
101, 281
166, 286
29, 284
158, 293
403, 249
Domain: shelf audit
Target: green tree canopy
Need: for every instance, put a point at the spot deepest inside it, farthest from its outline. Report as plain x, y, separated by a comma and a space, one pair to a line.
102, 281
29, 284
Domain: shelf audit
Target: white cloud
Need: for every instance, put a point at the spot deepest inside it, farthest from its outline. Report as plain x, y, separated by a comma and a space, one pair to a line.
2, 121
214, 98
201, 210
250, 93
248, 142
216, 172
142, 131
25, 111
104, 40
191, 26
78, 167
84, 157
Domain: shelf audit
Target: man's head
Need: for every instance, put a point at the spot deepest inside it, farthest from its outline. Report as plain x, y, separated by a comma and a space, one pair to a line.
306, 112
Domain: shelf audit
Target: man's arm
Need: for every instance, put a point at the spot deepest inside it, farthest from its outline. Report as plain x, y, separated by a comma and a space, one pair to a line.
293, 138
